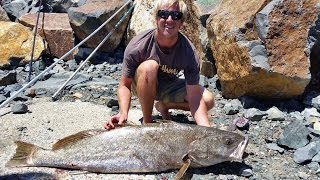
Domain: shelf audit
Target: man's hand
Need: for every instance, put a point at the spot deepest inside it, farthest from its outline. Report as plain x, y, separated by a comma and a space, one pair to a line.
115, 120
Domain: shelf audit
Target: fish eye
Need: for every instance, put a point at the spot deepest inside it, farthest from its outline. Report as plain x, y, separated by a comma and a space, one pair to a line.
228, 141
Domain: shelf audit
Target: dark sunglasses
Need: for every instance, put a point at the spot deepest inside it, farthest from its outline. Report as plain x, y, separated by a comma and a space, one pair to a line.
175, 15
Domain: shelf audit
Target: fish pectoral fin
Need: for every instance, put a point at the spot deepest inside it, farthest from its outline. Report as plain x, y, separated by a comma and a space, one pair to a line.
72, 139
24, 152
183, 169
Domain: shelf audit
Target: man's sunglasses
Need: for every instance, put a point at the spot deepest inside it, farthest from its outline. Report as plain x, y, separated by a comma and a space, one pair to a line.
175, 15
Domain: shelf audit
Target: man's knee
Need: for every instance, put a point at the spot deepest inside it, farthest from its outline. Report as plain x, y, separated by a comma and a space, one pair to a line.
148, 68
147, 73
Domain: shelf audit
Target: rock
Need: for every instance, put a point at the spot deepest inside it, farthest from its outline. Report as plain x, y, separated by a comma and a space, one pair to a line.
233, 107
296, 115
2, 98
55, 29
3, 15
7, 78
12, 88
303, 175
241, 122
254, 114
316, 126
275, 114
275, 147
316, 158
61, 6
294, 136
88, 17
19, 108
314, 166
208, 69
253, 53
306, 153
206, 7
16, 8
30, 92
112, 102
312, 99
246, 172
311, 114
17, 42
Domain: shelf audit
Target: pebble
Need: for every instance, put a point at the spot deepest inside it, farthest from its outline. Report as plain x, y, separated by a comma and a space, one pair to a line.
19, 108
246, 172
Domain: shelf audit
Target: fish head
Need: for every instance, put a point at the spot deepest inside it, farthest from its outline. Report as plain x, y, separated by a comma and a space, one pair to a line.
216, 148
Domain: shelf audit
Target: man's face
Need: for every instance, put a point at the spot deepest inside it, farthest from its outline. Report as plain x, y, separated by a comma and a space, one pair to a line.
169, 21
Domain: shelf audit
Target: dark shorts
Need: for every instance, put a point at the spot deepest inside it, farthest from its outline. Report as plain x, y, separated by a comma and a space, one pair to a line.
173, 90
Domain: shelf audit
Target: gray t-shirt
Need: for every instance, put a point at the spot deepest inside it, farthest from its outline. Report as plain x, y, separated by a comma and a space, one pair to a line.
182, 57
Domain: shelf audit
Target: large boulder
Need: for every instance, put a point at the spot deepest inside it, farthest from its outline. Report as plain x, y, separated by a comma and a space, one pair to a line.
143, 18
261, 48
88, 17
16, 8
16, 44
55, 29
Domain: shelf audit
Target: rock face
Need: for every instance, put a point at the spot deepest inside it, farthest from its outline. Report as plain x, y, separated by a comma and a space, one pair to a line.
205, 8
260, 47
55, 29
143, 18
16, 44
88, 17
3, 15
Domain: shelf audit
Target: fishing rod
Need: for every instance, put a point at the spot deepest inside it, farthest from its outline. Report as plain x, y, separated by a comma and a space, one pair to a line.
54, 97
34, 41
65, 55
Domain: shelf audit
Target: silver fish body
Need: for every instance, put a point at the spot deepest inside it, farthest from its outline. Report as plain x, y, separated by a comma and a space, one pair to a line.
152, 147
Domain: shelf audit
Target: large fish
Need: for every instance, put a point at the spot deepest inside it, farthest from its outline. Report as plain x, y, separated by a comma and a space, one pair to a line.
152, 147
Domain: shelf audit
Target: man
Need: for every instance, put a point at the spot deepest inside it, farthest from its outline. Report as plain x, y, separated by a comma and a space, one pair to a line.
152, 61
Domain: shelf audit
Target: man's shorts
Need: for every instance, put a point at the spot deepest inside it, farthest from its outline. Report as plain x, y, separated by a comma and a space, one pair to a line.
173, 90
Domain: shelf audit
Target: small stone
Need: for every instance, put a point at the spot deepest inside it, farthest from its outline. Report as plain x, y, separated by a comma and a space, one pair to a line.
275, 147
241, 122
30, 92
316, 126
246, 172
19, 109
112, 102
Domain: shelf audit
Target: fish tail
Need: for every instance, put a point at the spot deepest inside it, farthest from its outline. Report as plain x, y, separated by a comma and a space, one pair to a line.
23, 155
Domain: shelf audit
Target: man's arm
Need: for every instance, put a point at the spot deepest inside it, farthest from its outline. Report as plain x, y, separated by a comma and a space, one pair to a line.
124, 98
124, 95
197, 105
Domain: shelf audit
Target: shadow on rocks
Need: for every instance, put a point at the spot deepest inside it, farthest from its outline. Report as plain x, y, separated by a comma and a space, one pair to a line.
224, 168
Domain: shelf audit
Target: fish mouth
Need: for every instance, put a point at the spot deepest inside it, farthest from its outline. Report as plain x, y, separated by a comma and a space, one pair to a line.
238, 152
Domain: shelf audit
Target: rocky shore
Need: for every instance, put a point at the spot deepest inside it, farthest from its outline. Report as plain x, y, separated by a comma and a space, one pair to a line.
284, 134
266, 49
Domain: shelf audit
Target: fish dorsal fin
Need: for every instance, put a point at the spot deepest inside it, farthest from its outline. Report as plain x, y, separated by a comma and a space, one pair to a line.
72, 139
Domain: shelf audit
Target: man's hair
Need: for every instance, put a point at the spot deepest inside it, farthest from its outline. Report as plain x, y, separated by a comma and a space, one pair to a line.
182, 7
